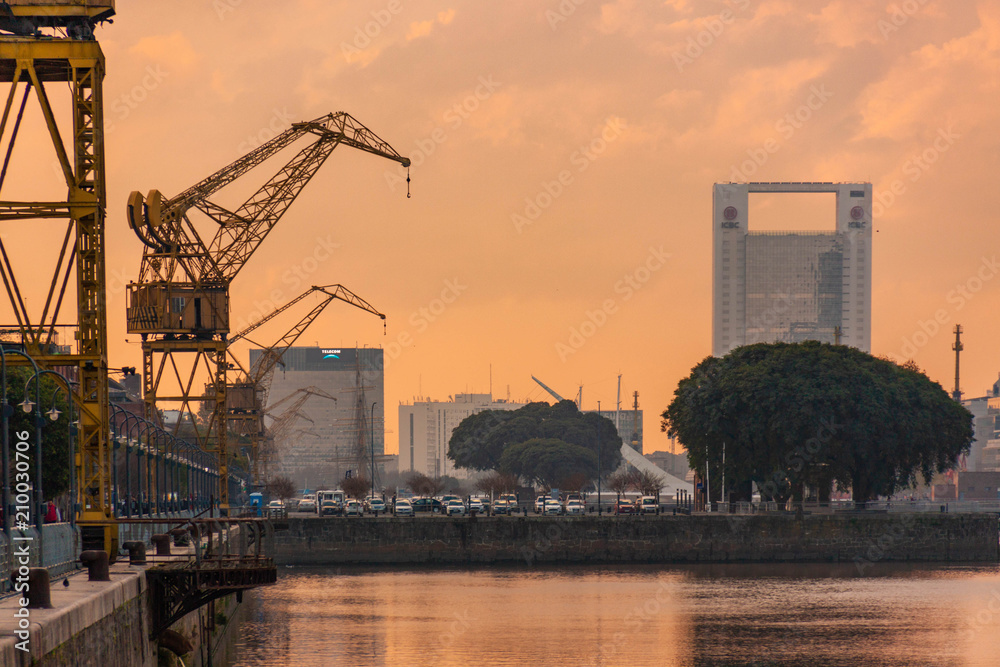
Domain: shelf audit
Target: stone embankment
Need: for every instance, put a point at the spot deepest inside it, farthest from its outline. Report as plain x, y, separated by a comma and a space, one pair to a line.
853, 538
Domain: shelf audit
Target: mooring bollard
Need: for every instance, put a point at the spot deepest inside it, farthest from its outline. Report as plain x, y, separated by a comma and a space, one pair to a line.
136, 552
39, 595
162, 543
180, 536
97, 565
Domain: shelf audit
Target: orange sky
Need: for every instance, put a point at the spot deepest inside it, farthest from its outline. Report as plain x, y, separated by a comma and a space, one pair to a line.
564, 155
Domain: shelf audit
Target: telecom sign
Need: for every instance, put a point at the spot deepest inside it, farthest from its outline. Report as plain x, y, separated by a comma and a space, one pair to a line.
331, 354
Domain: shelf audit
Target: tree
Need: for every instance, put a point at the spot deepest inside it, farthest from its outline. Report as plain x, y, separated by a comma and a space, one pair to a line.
356, 487
647, 483
482, 441
619, 482
814, 414
546, 461
281, 487
55, 442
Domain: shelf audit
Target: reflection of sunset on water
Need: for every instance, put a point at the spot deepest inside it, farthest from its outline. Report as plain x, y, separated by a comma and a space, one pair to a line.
635, 615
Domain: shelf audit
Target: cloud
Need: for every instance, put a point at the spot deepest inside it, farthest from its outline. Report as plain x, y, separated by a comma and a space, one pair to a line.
174, 49
420, 29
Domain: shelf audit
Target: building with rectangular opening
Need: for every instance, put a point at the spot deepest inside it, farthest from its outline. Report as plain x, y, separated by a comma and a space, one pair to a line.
791, 286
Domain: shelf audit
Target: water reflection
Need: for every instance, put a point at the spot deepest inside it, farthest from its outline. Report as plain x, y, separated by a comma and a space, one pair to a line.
635, 615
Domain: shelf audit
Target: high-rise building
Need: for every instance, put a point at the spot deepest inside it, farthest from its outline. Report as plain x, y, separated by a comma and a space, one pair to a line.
791, 286
324, 438
425, 428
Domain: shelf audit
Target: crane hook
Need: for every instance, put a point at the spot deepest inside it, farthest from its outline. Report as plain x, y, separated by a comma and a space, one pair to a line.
407, 182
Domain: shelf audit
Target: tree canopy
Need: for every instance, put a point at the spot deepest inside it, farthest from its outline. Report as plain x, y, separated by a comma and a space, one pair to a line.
55, 443
815, 414
539, 442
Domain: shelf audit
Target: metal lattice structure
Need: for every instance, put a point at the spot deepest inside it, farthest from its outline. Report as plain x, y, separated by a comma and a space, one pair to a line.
31, 61
180, 304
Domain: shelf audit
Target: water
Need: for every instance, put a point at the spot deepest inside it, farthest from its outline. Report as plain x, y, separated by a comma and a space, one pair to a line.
632, 615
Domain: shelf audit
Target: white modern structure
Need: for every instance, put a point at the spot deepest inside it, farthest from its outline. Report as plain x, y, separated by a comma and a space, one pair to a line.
771, 286
425, 427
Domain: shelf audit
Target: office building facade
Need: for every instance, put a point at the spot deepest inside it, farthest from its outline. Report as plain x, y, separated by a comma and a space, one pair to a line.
329, 404
788, 286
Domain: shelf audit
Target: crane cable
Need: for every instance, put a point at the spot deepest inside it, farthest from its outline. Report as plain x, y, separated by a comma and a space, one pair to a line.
407, 182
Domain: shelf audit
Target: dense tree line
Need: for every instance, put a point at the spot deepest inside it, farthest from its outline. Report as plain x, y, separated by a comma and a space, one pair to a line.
541, 443
818, 415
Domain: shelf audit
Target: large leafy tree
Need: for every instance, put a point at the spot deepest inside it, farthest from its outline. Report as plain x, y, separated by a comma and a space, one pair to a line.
55, 443
541, 442
791, 415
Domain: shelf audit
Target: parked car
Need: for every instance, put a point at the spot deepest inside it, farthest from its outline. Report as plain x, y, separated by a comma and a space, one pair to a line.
455, 507
624, 507
540, 503
647, 505
353, 508
512, 504
276, 505
476, 505
552, 508
329, 508
428, 505
575, 508
501, 506
448, 497
375, 505
307, 504
403, 507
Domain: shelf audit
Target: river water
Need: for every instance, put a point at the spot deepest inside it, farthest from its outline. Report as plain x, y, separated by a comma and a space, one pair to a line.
887, 615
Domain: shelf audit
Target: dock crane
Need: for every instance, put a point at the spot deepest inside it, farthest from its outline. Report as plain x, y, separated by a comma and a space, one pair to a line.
180, 303
247, 395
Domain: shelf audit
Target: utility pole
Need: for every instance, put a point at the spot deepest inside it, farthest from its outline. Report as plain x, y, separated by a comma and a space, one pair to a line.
598, 460
958, 347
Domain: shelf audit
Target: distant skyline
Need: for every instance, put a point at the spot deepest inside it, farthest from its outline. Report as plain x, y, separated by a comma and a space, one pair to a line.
564, 154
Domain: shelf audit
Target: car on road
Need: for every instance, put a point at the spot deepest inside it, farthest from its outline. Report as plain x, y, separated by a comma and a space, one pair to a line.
426, 505
307, 504
476, 505
575, 508
540, 503
455, 507
403, 507
375, 505
647, 505
501, 506
624, 507
353, 508
329, 508
552, 508
276, 505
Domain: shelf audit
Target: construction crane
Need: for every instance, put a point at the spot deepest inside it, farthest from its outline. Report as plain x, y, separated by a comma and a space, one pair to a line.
283, 422
180, 303
50, 44
247, 396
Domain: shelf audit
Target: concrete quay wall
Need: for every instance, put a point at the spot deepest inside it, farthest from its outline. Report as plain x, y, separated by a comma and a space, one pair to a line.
857, 538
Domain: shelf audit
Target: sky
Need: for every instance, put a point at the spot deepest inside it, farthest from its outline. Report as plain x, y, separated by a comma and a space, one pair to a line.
563, 156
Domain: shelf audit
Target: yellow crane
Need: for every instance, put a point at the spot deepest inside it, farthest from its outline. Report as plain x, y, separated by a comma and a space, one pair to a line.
180, 303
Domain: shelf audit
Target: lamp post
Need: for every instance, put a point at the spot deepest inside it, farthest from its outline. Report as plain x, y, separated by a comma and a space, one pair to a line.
373, 450
27, 406
598, 458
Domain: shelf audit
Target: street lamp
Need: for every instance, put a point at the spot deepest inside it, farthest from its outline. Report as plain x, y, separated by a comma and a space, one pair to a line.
373, 450
598, 458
